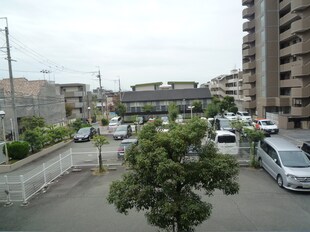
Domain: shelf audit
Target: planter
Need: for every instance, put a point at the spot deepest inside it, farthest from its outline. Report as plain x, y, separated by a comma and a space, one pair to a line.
20, 163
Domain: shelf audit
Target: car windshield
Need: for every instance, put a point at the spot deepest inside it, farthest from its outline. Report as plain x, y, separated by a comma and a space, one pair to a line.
121, 128
84, 130
113, 120
224, 123
230, 114
245, 114
165, 119
226, 139
267, 123
294, 159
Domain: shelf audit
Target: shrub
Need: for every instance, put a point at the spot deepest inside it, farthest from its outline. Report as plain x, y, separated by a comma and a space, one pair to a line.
104, 121
18, 150
35, 138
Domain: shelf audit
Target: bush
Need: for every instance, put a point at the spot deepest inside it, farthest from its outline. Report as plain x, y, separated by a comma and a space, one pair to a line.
35, 138
104, 121
18, 150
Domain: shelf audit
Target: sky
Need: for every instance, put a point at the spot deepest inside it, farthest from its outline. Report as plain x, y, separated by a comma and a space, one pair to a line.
134, 41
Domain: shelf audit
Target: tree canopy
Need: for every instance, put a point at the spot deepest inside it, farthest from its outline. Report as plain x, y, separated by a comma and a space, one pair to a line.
163, 182
173, 112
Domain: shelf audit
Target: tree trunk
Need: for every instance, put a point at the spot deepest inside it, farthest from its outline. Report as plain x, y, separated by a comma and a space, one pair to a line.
100, 162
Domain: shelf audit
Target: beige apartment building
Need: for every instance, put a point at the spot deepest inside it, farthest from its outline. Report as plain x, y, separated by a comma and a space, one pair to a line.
276, 60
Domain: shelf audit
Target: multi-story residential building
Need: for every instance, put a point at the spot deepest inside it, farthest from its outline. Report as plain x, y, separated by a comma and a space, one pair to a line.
276, 60
228, 85
183, 94
32, 98
79, 97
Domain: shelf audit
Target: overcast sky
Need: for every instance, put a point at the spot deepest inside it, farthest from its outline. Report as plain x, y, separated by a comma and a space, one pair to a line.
138, 41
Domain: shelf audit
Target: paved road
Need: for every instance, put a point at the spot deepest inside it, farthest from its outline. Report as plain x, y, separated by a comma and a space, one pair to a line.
77, 202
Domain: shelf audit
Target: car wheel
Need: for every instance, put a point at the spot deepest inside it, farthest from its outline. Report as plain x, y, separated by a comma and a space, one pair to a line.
280, 181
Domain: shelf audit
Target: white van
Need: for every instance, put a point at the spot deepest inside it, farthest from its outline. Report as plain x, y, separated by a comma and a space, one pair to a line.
115, 122
226, 142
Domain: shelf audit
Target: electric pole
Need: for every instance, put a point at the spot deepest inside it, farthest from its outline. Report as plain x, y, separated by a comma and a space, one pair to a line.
100, 91
15, 125
119, 89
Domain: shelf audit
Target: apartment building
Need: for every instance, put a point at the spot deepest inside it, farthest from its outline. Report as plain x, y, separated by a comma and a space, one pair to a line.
276, 60
79, 97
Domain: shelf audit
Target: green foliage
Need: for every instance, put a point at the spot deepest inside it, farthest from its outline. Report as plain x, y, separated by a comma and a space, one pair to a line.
99, 141
173, 112
211, 110
162, 182
77, 124
233, 109
120, 109
35, 139
57, 134
68, 108
198, 106
104, 122
238, 125
147, 108
29, 123
227, 103
17, 150
253, 137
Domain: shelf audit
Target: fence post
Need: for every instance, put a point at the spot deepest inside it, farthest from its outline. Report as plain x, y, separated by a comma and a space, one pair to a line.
7, 192
60, 163
44, 174
22, 182
71, 157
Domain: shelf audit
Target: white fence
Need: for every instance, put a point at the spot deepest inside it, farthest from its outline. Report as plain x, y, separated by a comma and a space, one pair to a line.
22, 188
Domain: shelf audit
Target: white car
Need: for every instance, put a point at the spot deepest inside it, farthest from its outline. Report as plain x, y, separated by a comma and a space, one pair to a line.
230, 116
267, 126
243, 115
226, 142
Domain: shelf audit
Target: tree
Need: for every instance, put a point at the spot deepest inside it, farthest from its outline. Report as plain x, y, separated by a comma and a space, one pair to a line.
99, 141
68, 108
211, 110
198, 106
253, 137
173, 112
30, 123
162, 182
121, 110
35, 138
227, 104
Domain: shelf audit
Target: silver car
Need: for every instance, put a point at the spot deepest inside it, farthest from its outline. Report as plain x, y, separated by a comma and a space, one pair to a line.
285, 162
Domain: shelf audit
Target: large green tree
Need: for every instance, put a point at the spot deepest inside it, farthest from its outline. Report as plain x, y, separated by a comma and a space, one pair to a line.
198, 106
121, 109
173, 111
164, 183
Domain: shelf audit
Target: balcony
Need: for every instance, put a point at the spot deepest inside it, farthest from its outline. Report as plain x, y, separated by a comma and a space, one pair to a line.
300, 69
283, 101
248, 52
301, 111
285, 51
249, 38
249, 104
300, 25
246, 86
288, 18
249, 65
249, 78
250, 25
284, 4
73, 94
249, 92
248, 12
291, 83
301, 92
247, 2
285, 67
298, 5
287, 35
301, 48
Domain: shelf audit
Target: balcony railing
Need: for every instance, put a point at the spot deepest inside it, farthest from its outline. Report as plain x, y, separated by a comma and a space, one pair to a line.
298, 5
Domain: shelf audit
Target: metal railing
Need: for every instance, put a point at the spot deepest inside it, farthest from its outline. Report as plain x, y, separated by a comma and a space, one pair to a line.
21, 188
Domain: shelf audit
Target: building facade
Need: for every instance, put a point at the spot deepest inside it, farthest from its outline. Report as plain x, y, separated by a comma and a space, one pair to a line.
276, 60
79, 98
32, 98
160, 96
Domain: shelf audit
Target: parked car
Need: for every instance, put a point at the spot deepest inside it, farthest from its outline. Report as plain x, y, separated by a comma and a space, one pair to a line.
115, 122
230, 116
226, 142
125, 144
140, 120
243, 115
266, 125
179, 119
285, 162
223, 124
305, 147
122, 132
84, 134
165, 120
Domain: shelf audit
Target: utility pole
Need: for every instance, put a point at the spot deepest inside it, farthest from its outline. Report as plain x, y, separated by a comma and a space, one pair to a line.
15, 125
100, 90
119, 89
